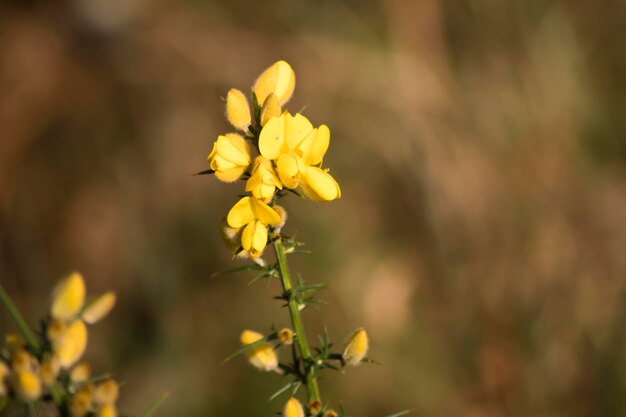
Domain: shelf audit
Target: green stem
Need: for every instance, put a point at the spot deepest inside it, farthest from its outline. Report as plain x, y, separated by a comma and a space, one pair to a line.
296, 319
26, 332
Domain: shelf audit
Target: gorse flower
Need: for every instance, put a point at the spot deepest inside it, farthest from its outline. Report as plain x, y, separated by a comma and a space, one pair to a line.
291, 153
356, 348
261, 356
293, 408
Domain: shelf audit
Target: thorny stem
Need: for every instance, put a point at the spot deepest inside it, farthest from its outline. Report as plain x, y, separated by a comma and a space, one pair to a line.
296, 320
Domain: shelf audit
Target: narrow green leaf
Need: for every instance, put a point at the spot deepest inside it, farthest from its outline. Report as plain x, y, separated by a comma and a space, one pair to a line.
23, 328
282, 390
247, 267
155, 405
270, 336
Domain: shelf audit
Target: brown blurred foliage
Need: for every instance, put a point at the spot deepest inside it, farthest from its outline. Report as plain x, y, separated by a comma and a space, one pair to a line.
481, 236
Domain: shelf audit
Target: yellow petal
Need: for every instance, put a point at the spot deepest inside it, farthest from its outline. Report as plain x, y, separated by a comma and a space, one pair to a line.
319, 185
80, 402
241, 213
254, 239
315, 145
278, 79
230, 175
287, 167
272, 138
99, 308
80, 372
234, 148
293, 408
237, 109
106, 393
270, 109
107, 411
356, 348
27, 385
261, 356
68, 297
264, 213
296, 129
72, 344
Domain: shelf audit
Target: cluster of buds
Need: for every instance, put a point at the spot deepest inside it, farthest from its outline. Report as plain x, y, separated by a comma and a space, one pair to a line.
49, 369
290, 154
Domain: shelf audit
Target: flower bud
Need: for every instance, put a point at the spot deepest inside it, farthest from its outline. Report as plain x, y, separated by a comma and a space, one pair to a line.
27, 385
14, 342
106, 393
22, 360
270, 109
49, 370
237, 109
293, 408
230, 157
330, 413
80, 403
4, 373
315, 406
261, 356
356, 348
99, 308
68, 297
278, 79
285, 336
80, 372
71, 345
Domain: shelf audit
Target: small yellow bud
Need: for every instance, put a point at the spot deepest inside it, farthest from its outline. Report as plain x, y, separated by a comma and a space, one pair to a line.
356, 348
4, 373
330, 413
230, 157
315, 407
49, 370
55, 331
22, 360
293, 408
106, 393
107, 411
278, 79
80, 372
285, 336
68, 297
237, 109
71, 346
270, 109
14, 342
27, 385
99, 308
80, 403
261, 356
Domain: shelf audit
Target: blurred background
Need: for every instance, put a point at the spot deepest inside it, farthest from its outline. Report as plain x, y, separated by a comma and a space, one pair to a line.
480, 238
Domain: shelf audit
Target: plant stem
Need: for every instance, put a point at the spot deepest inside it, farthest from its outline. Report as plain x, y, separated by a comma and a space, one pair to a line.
296, 320
19, 321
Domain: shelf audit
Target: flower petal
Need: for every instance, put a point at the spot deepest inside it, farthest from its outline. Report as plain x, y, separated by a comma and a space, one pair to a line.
272, 138
315, 145
278, 79
241, 213
296, 129
69, 297
237, 109
319, 185
264, 213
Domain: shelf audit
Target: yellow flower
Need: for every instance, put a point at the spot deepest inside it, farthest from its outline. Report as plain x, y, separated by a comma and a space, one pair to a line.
22, 360
106, 393
230, 157
263, 181
255, 215
298, 150
99, 308
80, 402
107, 411
80, 372
293, 408
237, 109
14, 342
72, 343
270, 109
49, 370
356, 348
261, 356
27, 385
68, 297
278, 79
4, 373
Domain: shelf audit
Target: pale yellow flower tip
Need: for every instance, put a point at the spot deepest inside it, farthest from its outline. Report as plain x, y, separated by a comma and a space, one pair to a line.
107, 411
4, 373
80, 372
293, 408
99, 308
27, 385
68, 297
106, 393
356, 348
237, 109
271, 108
230, 157
261, 356
278, 79
71, 345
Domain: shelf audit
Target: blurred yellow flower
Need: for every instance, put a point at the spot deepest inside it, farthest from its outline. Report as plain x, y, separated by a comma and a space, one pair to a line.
68, 297
262, 356
237, 109
4, 373
106, 393
255, 215
71, 345
99, 308
278, 79
27, 385
293, 408
80, 403
49, 370
107, 411
263, 181
230, 157
80, 372
356, 348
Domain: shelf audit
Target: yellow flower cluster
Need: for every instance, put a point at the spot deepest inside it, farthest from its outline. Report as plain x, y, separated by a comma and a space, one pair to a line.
29, 374
290, 150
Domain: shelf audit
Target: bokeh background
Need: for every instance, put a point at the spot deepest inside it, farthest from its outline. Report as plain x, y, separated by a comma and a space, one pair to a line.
481, 236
